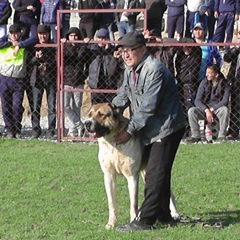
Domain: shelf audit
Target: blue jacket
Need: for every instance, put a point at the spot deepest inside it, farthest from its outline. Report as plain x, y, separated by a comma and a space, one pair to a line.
49, 11
156, 111
5, 11
175, 7
214, 55
227, 6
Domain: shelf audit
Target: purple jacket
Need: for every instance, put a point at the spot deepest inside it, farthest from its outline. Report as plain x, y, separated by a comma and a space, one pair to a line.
227, 6
176, 7
49, 11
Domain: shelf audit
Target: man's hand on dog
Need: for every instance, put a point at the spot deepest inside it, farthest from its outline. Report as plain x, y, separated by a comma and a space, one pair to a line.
122, 137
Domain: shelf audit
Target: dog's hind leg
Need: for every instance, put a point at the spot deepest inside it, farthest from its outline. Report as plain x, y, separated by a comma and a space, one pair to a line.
110, 186
133, 194
173, 207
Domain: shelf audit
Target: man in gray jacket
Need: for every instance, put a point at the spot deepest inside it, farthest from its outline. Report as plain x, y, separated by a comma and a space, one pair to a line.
157, 116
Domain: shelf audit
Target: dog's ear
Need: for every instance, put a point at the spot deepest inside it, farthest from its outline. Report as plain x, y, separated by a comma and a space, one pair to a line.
115, 110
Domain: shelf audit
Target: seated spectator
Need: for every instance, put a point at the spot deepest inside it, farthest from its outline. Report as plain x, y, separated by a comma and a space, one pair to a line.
211, 104
175, 17
44, 77
107, 19
126, 21
5, 14
210, 54
74, 78
48, 15
13, 70
29, 13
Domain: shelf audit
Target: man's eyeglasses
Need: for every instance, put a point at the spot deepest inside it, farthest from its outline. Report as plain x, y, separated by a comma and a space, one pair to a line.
127, 51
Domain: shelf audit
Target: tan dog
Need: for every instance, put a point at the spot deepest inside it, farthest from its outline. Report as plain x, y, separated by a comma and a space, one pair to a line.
105, 121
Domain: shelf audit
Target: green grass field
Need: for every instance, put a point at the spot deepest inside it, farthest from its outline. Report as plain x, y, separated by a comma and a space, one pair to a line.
55, 191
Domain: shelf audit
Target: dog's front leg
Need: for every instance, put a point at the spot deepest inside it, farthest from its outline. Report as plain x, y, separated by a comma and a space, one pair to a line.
173, 207
110, 186
133, 194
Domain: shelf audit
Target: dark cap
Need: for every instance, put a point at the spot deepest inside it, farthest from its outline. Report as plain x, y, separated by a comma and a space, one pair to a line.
186, 40
15, 28
73, 30
132, 39
199, 25
43, 28
155, 33
102, 32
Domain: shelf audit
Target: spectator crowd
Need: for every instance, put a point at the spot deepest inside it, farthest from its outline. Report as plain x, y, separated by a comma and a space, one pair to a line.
29, 66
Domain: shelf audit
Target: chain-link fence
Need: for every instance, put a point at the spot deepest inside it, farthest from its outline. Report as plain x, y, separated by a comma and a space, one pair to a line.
62, 84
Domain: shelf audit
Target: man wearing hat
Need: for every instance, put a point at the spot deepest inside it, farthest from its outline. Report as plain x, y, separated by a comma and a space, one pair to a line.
13, 63
104, 70
157, 117
210, 53
43, 77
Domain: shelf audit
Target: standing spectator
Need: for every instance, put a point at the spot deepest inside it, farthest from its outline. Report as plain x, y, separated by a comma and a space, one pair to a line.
87, 24
74, 78
5, 14
226, 12
166, 54
29, 13
210, 54
104, 68
44, 77
49, 15
175, 17
155, 11
67, 5
232, 56
211, 18
13, 56
211, 104
157, 118
126, 21
192, 8
188, 63
106, 20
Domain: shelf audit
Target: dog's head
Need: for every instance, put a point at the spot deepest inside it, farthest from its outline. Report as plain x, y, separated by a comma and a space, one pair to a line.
104, 118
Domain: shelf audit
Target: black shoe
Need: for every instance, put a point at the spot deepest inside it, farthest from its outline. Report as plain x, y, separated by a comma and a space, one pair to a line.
36, 134
9, 135
50, 134
134, 227
18, 136
193, 140
220, 140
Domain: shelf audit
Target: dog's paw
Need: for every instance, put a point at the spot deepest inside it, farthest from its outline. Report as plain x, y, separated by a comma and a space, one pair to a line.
109, 226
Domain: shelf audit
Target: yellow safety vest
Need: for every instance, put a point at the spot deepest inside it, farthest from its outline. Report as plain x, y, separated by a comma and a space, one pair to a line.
10, 65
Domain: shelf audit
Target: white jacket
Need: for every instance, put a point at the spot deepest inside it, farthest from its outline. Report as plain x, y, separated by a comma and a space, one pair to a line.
193, 5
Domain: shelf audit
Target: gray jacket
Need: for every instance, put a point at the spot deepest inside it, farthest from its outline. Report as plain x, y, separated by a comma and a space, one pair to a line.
154, 102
